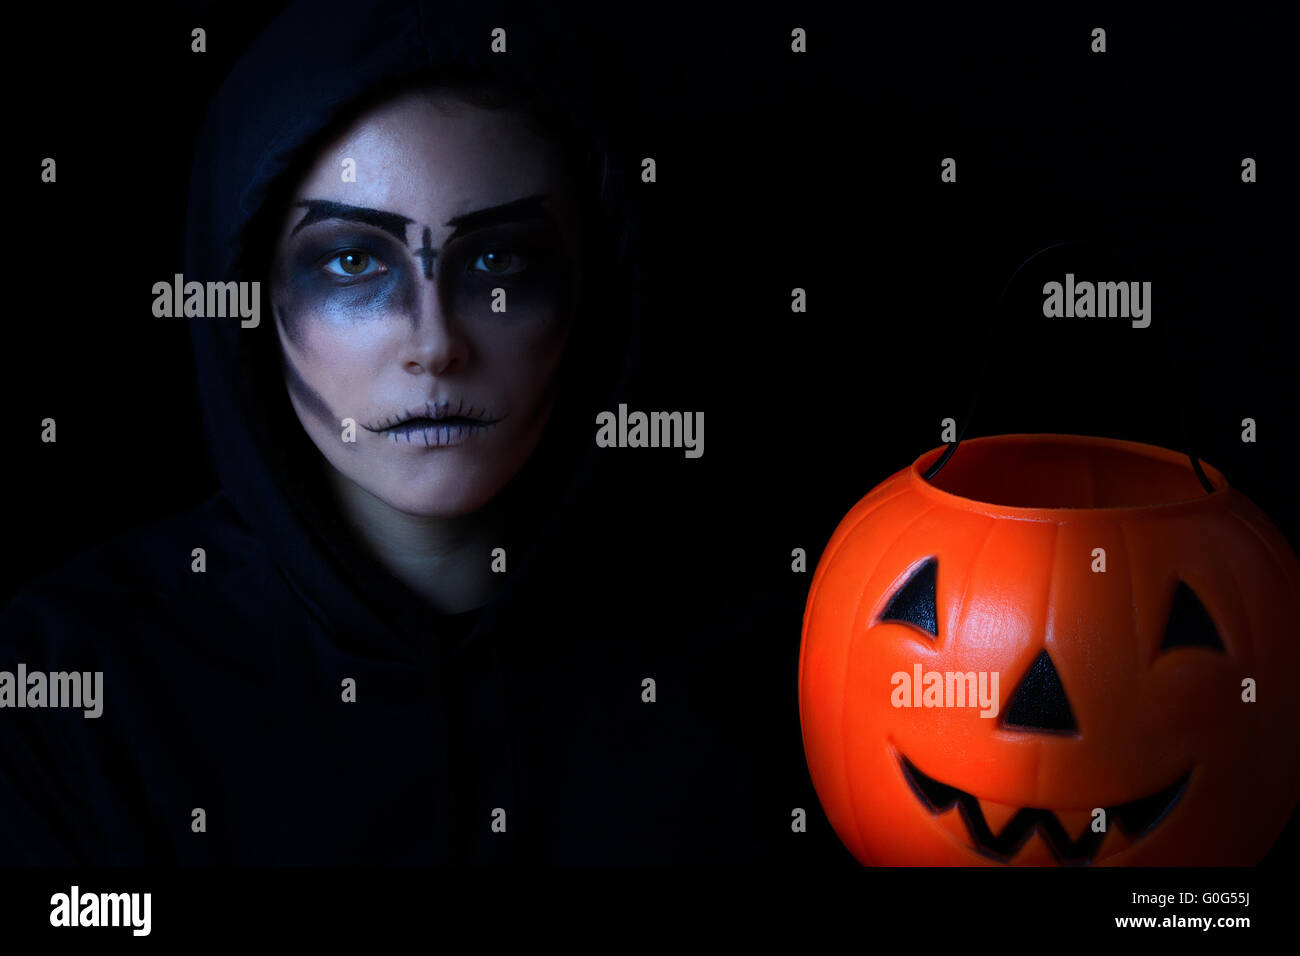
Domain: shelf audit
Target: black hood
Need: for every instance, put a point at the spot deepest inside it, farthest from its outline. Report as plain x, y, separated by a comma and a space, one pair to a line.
311, 70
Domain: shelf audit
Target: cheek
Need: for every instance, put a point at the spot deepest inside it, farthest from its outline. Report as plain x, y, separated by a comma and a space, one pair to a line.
347, 322
339, 355
343, 361
521, 358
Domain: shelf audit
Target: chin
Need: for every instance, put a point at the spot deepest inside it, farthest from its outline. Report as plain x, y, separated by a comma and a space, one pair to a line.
441, 484
439, 501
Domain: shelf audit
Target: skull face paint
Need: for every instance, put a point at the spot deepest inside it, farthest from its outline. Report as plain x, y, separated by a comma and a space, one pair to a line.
429, 301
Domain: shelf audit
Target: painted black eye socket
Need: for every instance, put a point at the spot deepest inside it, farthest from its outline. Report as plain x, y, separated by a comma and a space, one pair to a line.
1190, 625
913, 603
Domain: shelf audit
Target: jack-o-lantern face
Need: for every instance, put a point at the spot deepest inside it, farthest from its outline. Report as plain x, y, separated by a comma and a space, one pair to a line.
1100, 671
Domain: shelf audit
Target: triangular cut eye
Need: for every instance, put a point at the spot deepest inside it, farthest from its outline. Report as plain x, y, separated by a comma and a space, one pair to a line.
1039, 703
913, 603
1190, 625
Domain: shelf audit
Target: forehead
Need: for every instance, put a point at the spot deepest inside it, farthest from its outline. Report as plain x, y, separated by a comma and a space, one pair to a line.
432, 156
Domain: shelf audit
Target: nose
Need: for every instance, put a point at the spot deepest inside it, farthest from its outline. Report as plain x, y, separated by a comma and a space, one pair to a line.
436, 344
1039, 703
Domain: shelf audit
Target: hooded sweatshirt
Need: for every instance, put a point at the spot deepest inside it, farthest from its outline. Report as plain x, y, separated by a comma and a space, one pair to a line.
291, 702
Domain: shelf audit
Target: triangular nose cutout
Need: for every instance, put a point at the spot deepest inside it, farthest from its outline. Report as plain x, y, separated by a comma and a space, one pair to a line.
1039, 703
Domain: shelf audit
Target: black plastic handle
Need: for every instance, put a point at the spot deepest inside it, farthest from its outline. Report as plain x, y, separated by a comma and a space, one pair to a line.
961, 432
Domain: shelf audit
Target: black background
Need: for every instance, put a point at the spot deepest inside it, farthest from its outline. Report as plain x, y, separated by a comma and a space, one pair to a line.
774, 171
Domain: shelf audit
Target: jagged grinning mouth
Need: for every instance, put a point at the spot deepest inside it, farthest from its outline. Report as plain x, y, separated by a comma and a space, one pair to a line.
1135, 818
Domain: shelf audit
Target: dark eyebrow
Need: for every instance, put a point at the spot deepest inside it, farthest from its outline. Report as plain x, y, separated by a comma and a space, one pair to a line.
318, 209
530, 207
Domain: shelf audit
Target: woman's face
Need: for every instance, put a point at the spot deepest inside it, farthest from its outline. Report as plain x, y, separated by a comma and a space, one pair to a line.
428, 301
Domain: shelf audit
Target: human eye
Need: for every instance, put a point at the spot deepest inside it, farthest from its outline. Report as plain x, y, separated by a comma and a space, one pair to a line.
499, 262
353, 263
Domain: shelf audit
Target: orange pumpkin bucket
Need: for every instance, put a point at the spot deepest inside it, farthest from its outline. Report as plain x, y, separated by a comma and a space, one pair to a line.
1059, 649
